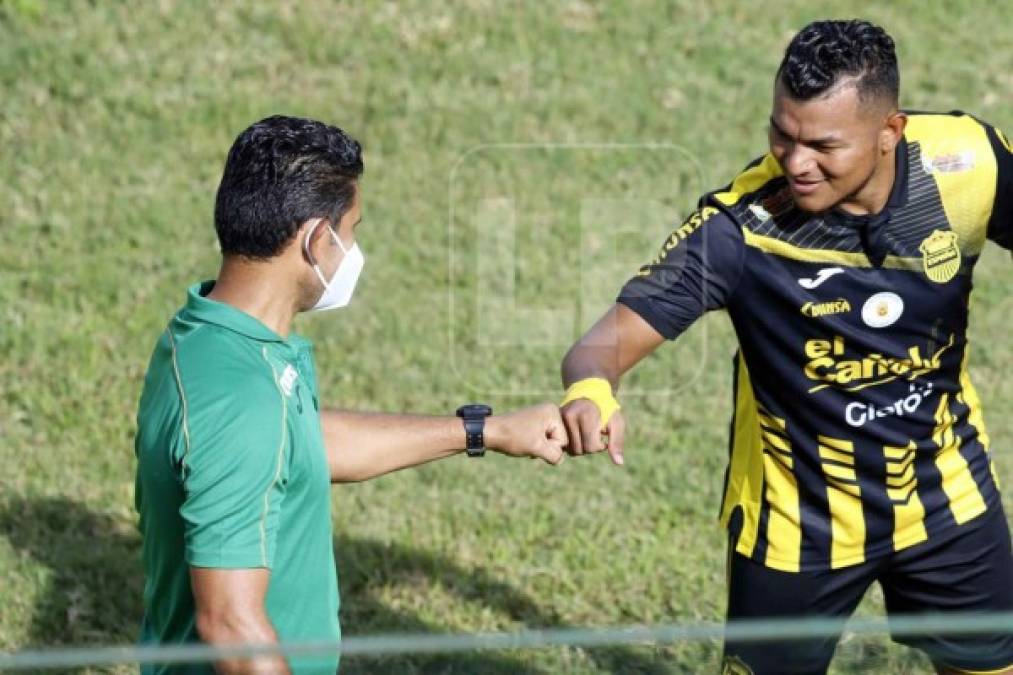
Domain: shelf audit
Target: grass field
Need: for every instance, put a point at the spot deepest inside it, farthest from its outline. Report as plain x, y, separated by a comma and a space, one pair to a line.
555, 144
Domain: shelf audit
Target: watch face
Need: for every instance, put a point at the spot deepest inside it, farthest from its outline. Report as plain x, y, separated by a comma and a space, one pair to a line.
474, 410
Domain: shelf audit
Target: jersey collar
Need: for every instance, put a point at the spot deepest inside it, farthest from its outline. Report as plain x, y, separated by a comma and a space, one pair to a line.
872, 228
898, 194
202, 308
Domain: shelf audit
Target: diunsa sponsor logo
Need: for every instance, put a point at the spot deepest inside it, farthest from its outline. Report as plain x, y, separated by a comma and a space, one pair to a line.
814, 310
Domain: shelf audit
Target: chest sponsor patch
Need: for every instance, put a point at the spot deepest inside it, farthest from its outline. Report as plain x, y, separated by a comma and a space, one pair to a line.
830, 365
882, 310
859, 414
951, 163
815, 310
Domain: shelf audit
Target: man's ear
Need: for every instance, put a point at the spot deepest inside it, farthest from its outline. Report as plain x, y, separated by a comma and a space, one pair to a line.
309, 235
893, 131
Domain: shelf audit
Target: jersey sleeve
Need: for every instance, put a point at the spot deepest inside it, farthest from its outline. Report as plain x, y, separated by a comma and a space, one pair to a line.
234, 473
696, 271
1000, 225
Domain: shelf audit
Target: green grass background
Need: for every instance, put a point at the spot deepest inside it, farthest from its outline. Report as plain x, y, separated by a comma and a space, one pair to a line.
114, 123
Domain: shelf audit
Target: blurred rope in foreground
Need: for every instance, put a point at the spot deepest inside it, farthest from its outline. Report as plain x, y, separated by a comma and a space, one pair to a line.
378, 645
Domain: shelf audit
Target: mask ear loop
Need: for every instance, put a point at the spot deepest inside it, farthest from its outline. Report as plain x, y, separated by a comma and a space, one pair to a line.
341, 244
309, 255
336, 218
306, 242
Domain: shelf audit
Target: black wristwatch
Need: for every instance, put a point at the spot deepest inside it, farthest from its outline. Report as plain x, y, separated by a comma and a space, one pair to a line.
473, 415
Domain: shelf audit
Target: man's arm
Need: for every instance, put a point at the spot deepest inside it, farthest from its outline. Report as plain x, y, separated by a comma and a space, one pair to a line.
697, 270
230, 610
617, 342
613, 345
361, 446
234, 471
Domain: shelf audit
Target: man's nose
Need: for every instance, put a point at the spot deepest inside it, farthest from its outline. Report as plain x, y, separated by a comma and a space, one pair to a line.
797, 160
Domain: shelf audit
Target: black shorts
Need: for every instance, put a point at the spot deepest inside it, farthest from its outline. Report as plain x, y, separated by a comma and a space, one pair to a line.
969, 571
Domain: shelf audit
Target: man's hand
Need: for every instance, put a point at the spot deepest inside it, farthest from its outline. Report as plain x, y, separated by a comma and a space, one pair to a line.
537, 431
583, 425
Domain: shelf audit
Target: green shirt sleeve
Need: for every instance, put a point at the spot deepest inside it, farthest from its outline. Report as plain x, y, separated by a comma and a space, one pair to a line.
234, 472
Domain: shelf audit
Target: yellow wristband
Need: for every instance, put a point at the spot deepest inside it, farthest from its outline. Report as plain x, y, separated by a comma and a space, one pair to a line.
598, 391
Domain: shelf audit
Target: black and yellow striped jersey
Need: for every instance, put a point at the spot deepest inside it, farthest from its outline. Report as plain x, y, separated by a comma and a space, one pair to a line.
856, 430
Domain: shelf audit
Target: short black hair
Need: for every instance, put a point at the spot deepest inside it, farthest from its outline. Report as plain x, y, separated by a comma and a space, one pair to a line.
825, 52
281, 172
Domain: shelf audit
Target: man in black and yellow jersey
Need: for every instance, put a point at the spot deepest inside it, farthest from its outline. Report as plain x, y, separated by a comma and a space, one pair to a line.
844, 258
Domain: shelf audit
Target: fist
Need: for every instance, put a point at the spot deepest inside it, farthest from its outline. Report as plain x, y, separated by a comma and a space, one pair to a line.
537, 431
586, 434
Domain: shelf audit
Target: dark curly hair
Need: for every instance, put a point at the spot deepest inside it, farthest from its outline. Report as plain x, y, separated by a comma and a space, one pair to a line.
825, 52
281, 172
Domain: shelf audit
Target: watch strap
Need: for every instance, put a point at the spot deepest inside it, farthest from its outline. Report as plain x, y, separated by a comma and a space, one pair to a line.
474, 430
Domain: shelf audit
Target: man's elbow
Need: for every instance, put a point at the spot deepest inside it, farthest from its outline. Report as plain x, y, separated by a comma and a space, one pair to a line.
229, 626
233, 627
212, 627
350, 472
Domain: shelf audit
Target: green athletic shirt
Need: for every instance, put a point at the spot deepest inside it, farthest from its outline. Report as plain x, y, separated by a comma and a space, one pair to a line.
232, 473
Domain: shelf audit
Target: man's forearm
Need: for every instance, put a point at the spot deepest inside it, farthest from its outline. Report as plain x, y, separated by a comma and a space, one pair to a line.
584, 361
361, 446
617, 342
596, 354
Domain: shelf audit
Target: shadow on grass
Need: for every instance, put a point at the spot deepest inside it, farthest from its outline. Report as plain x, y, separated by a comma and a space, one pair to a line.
365, 566
93, 594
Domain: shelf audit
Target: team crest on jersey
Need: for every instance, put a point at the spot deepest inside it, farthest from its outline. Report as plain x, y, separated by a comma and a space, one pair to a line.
940, 256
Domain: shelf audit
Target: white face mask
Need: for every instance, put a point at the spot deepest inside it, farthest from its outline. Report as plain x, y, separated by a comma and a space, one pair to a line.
337, 291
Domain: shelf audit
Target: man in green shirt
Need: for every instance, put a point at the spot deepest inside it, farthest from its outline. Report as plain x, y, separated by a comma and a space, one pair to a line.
235, 455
